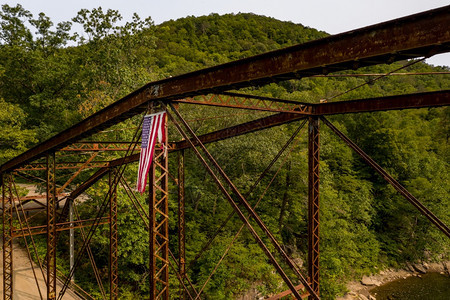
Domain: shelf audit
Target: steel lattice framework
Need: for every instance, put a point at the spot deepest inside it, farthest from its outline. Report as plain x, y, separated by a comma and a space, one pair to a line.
113, 237
159, 226
420, 35
313, 202
8, 204
51, 227
181, 220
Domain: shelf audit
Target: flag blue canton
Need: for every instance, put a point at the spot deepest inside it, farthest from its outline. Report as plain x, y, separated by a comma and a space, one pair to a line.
146, 131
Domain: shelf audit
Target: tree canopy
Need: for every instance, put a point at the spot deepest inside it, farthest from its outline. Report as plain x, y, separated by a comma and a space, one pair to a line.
51, 78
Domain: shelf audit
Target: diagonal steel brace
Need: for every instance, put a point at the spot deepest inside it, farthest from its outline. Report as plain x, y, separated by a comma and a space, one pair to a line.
244, 202
401, 189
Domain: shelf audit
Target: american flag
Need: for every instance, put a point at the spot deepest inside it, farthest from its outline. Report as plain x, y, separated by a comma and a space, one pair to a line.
152, 128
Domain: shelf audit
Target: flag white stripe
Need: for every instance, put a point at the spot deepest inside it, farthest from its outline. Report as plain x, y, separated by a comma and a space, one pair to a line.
155, 128
144, 152
147, 156
142, 178
151, 147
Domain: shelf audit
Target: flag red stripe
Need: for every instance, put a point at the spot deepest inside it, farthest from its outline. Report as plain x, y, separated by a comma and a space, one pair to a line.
157, 130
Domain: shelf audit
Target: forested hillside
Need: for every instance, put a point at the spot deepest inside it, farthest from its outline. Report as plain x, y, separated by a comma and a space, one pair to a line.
51, 78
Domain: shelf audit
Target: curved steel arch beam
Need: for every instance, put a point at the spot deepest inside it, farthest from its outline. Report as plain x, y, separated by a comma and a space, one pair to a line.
418, 35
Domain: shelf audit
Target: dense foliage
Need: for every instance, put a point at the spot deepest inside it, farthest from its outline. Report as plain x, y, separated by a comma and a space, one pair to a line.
52, 78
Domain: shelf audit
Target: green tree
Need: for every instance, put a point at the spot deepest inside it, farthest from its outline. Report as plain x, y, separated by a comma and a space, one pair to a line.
14, 139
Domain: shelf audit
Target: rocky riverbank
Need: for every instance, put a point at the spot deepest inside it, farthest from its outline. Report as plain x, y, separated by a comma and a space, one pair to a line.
361, 289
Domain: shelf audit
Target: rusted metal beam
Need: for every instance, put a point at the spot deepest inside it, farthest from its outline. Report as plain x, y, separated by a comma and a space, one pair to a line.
287, 293
97, 146
249, 192
242, 101
384, 74
89, 182
42, 229
13, 190
7, 219
74, 175
418, 100
395, 184
248, 127
145, 219
113, 240
63, 166
252, 126
25, 199
159, 224
101, 210
71, 236
247, 195
51, 227
98, 278
417, 35
181, 221
313, 203
244, 202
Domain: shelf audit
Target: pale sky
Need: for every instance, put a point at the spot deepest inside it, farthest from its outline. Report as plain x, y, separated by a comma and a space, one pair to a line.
332, 16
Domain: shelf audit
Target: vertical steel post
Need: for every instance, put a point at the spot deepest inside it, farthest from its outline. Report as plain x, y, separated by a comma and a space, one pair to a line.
113, 238
159, 224
7, 237
181, 220
313, 203
51, 227
71, 236
152, 232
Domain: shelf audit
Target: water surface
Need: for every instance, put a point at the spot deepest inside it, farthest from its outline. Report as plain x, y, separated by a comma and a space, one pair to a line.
430, 286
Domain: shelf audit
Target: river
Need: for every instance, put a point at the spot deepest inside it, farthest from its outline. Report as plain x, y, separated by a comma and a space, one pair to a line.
430, 286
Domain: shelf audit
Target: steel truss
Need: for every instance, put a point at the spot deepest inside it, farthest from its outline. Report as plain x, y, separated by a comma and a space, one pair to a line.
395, 184
221, 134
145, 218
8, 203
313, 203
181, 221
422, 35
159, 224
225, 180
113, 239
51, 227
234, 100
97, 146
60, 226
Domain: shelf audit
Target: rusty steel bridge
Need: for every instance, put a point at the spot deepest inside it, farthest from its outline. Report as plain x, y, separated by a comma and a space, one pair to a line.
416, 36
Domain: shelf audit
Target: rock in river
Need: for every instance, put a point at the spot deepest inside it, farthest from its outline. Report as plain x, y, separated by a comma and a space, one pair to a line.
370, 281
